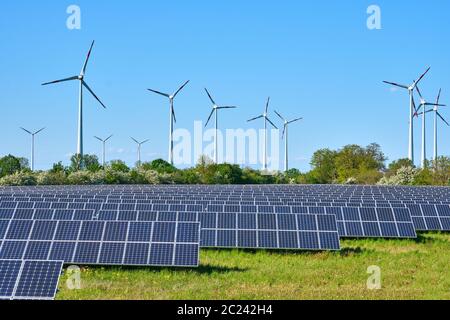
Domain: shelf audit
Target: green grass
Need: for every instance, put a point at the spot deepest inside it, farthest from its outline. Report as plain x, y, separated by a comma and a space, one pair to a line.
411, 269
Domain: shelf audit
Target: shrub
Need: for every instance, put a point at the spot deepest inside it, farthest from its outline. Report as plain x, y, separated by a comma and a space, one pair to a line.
80, 178
23, 178
51, 178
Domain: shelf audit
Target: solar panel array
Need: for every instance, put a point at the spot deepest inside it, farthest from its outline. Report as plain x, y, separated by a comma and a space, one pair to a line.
29, 280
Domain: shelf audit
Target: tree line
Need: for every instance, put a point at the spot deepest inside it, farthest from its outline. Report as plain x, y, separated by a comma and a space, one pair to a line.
351, 164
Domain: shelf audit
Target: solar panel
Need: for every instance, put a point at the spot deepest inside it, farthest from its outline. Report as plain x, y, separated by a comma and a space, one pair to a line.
269, 231
430, 217
29, 279
102, 242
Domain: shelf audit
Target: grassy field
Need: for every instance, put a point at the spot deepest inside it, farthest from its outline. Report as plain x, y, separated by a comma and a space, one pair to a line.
411, 269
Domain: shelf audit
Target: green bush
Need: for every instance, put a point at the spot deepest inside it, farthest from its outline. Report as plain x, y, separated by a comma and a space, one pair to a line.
23, 178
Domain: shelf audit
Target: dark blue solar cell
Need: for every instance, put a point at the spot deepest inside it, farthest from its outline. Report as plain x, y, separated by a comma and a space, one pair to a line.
62, 251
248, 209
59, 205
267, 221
127, 207
67, 230
215, 208
307, 222
188, 233
429, 210
194, 208
326, 222
42, 205
309, 240
163, 232
186, 255
116, 231
167, 216
64, 215
161, 254
8, 205
127, 216
402, 215
287, 222
37, 250
226, 238
247, 239
106, 215
353, 229
91, 231
407, 230
43, 214
369, 214
247, 221
111, 253
419, 223
208, 238
43, 230
144, 206
385, 214
177, 207
282, 209
208, 220
148, 216
87, 253
24, 205
336, 211
13, 250
316, 210
350, 214
6, 213
267, 239
341, 229
9, 273
24, 214
371, 229
74, 206
110, 206
187, 217
3, 227
388, 230
232, 208
226, 221
266, 209
140, 232
443, 210
329, 241
445, 223
288, 239
160, 207
433, 223
136, 254
19, 230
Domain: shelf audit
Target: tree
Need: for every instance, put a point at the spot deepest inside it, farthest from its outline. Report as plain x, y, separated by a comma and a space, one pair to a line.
324, 168
160, 166
119, 166
396, 165
10, 165
441, 171
87, 162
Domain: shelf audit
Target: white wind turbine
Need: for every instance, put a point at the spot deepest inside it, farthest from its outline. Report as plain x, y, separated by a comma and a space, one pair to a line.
140, 144
286, 138
215, 110
83, 84
424, 104
33, 135
103, 141
173, 118
266, 119
412, 111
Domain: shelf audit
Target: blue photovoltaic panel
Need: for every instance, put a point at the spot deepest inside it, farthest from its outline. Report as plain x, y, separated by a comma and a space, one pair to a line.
430, 217
29, 280
269, 231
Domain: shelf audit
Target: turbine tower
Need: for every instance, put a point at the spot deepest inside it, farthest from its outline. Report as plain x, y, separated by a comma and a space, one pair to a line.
103, 141
33, 135
140, 144
173, 118
82, 84
412, 111
215, 111
266, 119
286, 139
424, 104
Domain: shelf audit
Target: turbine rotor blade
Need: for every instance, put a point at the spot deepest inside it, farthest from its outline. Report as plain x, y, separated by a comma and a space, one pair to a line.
160, 93
271, 123
109, 137
396, 84
27, 131
39, 131
256, 118
267, 105
284, 131
210, 97
92, 92
210, 116
442, 118
295, 120
227, 107
135, 140
62, 80
144, 142
181, 88
435, 104
99, 139
439, 96
279, 115
83, 71
418, 91
173, 115
421, 77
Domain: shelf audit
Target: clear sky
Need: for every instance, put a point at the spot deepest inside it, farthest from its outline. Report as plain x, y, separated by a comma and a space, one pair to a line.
316, 59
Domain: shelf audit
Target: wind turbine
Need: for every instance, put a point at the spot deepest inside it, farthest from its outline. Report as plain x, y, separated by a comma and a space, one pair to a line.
266, 119
173, 118
285, 137
424, 104
215, 110
83, 84
140, 144
103, 141
412, 110
32, 134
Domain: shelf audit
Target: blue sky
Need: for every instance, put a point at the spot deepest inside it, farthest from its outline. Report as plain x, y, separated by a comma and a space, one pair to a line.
317, 60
